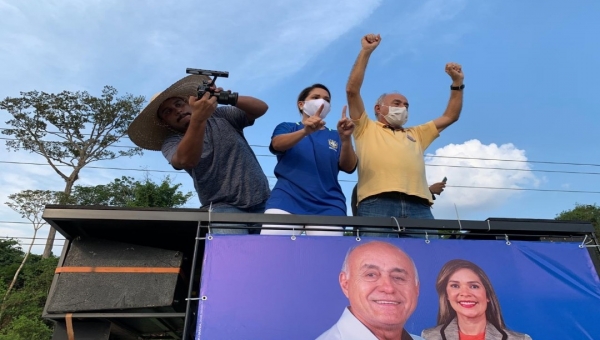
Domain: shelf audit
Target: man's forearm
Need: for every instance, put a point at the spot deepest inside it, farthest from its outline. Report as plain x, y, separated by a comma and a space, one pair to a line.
452, 112
356, 105
454, 107
254, 108
357, 75
455, 102
189, 150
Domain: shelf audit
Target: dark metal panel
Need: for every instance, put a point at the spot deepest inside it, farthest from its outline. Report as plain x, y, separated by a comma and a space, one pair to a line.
61, 261
77, 292
115, 315
68, 218
83, 330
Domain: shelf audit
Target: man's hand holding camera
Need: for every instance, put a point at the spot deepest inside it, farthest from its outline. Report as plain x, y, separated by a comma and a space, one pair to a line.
202, 108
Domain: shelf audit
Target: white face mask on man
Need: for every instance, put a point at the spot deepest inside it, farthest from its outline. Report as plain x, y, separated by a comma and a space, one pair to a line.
312, 106
397, 116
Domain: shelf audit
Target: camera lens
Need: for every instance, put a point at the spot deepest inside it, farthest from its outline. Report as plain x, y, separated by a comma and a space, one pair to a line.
227, 98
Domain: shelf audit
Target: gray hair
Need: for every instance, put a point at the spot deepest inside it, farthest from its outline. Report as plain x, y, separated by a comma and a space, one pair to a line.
380, 99
346, 270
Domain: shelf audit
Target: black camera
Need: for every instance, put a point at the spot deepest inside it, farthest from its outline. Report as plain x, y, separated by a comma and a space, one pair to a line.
223, 97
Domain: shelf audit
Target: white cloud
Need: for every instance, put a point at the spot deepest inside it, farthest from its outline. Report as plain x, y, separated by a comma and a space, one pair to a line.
462, 171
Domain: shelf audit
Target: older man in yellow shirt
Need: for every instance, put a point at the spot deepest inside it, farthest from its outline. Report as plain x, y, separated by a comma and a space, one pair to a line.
391, 166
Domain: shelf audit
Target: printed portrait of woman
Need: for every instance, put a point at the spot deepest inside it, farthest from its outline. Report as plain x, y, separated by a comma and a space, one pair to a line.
468, 306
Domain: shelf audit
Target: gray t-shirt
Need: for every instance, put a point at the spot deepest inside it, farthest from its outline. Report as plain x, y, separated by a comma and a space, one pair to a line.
228, 171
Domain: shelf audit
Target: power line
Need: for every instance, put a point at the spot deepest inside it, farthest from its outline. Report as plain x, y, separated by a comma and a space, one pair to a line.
51, 141
515, 160
432, 156
438, 165
91, 167
524, 189
509, 169
29, 238
42, 244
60, 133
351, 181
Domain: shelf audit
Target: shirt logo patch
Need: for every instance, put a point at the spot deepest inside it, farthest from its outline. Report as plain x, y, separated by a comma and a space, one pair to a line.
333, 145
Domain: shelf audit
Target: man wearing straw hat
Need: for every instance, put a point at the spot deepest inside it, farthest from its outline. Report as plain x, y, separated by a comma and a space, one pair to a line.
209, 144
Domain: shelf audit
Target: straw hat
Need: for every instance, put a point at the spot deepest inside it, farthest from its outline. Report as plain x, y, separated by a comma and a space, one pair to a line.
147, 131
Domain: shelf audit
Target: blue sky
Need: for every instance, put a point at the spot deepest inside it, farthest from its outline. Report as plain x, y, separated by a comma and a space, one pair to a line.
530, 73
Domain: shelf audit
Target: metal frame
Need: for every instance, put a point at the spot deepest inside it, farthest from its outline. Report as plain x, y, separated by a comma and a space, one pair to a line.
71, 221
54, 214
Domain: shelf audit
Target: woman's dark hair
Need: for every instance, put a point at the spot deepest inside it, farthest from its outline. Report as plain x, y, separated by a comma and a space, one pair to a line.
304, 94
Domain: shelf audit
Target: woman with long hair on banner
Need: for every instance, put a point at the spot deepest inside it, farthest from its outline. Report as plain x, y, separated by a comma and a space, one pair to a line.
468, 306
309, 158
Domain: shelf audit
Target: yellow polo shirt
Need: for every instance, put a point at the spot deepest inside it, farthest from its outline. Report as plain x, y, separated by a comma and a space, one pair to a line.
392, 160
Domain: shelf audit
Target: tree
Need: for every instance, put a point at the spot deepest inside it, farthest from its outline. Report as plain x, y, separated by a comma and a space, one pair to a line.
127, 192
82, 128
583, 212
24, 328
10, 255
30, 204
22, 318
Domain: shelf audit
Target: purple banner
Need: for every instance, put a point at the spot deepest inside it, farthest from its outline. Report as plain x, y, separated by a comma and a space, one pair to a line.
273, 287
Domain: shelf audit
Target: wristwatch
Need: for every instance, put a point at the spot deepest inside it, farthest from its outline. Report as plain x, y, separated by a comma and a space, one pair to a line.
457, 88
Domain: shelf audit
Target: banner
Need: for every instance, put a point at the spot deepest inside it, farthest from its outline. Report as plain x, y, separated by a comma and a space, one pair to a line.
273, 287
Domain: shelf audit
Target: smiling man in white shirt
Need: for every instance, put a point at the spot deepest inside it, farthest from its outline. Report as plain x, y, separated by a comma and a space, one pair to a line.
382, 284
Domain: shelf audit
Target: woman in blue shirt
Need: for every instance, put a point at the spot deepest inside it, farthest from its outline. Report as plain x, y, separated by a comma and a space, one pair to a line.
309, 158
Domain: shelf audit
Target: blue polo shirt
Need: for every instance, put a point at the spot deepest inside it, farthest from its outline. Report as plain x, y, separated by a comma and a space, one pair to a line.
307, 174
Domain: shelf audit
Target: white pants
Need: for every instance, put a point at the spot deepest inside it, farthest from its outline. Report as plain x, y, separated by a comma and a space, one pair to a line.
294, 230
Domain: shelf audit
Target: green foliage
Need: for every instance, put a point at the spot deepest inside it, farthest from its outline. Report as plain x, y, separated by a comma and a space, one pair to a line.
11, 256
583, 212
30, 204
70, 128
165, 194
127, 192
22, 317
24, 328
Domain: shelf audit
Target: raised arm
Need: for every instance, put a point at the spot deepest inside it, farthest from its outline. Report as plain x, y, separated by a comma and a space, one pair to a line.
253, 107
348, 159
455, 103
369, 42
189, 150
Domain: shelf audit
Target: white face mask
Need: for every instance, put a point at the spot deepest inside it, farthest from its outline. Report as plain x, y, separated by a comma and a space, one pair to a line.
397, 116
312, 106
